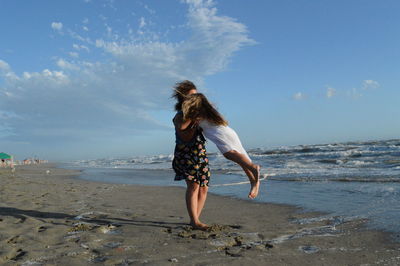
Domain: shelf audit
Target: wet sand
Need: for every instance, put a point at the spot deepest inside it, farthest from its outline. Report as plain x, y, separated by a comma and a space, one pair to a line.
48, 217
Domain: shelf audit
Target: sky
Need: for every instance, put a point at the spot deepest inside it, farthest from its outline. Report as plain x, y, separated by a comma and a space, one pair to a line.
86, 79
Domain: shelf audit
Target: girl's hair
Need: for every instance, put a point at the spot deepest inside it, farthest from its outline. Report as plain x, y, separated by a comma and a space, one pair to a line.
197, 106
181, 90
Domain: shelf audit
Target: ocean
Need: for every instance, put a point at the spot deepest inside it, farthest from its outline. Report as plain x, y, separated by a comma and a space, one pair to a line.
344, 181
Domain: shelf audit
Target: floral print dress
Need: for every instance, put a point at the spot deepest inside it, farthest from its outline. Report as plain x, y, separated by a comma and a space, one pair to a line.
190, 160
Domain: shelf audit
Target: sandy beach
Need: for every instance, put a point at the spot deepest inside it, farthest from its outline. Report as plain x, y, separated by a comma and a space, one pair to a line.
49, 217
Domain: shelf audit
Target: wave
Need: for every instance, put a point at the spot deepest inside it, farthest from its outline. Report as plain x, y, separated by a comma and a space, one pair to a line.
394, 161
263, 178
331, 161
336, 162
353, 149
340, 179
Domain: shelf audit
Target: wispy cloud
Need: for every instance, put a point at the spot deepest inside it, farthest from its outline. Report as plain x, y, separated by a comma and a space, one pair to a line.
151, 11
6, 71
298, 96
87, 99
57, 26
330, 92
80, 47
4, 67
366, 85
73, 54
370, 84
65, 65
142, 22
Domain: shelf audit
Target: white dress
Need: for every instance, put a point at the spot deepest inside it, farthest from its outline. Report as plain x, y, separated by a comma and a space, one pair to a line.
224, 137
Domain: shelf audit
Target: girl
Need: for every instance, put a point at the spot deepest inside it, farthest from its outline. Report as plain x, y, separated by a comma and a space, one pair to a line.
198, 110
190, 158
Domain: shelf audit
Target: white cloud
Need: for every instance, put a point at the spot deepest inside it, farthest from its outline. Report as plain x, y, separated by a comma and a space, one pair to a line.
73, 54
4, 66
57, 26
80, 47
370, 84
151, 11
366, 85
142, 22
330, 92
355, 93
214, 39
199, 3
299, 96
66, 65
6, 71
85, 28
77, 36
82, 99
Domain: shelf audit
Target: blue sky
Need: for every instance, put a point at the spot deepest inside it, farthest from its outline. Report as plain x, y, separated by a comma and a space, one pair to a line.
92, 78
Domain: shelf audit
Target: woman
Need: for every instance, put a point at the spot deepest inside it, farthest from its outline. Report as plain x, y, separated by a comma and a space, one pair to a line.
190, 157
197, 109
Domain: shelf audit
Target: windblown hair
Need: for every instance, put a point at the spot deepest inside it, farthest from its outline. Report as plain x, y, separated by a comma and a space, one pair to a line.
181, 90
196, 106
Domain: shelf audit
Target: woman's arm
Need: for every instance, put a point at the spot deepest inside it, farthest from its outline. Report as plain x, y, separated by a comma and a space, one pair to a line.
184, 124
185, 129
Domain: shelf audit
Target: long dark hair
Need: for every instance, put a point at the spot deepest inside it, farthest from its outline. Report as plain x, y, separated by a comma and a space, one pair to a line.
181, 90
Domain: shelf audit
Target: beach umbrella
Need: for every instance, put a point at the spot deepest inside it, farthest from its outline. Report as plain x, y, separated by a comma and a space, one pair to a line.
5, 156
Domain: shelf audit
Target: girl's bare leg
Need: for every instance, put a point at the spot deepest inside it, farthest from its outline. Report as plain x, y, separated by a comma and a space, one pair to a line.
252, 170
192, 200
201, 199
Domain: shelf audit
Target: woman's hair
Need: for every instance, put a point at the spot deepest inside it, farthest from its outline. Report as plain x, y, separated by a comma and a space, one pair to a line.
181, 90
197, 106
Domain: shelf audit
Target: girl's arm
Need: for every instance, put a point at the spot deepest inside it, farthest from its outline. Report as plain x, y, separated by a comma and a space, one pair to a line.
184, 124
185, 129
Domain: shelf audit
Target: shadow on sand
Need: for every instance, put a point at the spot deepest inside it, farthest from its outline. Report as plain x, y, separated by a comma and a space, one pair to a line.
40, 215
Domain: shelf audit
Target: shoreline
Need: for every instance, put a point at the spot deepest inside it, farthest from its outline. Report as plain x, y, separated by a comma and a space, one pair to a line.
57, 218
271, 192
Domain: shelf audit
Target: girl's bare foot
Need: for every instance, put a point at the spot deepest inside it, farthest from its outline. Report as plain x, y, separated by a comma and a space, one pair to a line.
199, 226
255, 184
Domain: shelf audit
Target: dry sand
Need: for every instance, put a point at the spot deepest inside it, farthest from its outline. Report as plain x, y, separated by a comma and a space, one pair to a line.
56, 219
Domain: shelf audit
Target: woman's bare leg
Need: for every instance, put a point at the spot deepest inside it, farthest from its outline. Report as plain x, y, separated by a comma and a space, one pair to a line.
252, 170
201, 199
192, 200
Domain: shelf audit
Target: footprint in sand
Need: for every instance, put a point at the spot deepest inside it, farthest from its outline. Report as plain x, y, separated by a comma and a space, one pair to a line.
14, 240
79, 227
20, 220
14, 255
112, 244
41, 228
213, 231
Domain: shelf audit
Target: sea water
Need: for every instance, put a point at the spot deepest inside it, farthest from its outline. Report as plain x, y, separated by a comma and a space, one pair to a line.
350, 180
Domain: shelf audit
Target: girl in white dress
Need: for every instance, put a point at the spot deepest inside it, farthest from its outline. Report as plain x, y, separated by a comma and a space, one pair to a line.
196, 108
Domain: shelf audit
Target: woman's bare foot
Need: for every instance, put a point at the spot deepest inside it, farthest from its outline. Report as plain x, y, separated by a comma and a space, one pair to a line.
255, 184
199, 226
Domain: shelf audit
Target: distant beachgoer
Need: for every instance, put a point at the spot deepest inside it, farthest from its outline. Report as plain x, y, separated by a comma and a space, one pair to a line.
198, 110
190, 161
